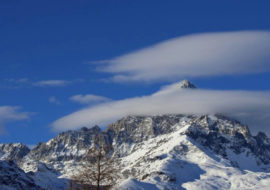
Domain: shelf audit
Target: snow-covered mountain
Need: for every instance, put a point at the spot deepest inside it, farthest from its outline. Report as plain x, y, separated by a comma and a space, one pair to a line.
162, 152
13, 151
155, 152
201, 152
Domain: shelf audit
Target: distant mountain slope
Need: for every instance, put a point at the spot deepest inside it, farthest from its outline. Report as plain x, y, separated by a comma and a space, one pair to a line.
13, 151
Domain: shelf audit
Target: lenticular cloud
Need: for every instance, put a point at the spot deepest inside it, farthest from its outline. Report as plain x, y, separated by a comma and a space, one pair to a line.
208, 54
251, 108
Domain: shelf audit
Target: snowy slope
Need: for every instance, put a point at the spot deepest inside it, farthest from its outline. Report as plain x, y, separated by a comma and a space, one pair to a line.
176, 161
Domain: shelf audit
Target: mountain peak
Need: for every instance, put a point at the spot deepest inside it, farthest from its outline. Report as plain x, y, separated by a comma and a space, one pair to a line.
186, 84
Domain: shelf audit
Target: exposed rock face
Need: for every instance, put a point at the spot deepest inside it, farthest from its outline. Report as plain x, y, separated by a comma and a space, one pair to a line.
12, 177
220, 133
13, 151
134, 129
215, 132
70, 145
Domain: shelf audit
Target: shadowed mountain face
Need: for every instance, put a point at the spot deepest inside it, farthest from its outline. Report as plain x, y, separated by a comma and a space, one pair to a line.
168, 151
12, 177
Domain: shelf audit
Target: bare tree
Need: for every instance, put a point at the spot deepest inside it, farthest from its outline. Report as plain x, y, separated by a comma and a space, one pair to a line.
99, 169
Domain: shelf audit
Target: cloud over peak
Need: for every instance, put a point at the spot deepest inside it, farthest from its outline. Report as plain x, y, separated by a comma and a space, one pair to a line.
197, 55
250, 107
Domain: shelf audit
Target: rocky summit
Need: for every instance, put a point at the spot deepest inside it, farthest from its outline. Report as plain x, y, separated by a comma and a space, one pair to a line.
186, 84
154, 152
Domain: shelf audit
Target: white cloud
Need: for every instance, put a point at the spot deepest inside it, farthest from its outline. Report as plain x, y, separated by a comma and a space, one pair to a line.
51, 83
14, 83
10, 114
88, 98
249, 107
209, 54
53, 100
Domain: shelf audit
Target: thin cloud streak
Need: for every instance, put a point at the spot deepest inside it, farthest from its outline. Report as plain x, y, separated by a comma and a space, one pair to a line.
51, 83
26, 83
250, 107
53, 100
198, 55
88, 98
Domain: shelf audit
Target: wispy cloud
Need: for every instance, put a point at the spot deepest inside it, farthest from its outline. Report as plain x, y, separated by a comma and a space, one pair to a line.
252, 108
18, 81
53, 100
11, 114
198, 55
25, 82
52, 83
88, 99
14, 83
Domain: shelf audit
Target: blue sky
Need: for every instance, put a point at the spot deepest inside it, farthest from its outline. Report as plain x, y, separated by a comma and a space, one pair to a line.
57, 41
